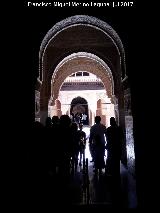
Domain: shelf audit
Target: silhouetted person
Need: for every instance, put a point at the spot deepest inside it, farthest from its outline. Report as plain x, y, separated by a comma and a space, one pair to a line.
48, 123
77, 118
72, 117
75, 146
114, 144
65, 140
82, 142
55, 120
84, 116
97, 143
35, 159
37, 125
55, 142
34, 150
47, 146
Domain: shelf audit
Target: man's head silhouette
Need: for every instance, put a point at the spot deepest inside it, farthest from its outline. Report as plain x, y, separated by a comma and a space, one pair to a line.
97, 119
112, 121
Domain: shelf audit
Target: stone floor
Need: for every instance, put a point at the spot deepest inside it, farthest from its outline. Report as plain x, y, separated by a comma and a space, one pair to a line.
100, 191
71, 192
99, 187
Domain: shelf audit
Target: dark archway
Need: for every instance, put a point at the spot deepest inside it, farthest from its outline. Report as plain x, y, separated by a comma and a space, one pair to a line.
88, 34
81, 33
80, 106
76, 21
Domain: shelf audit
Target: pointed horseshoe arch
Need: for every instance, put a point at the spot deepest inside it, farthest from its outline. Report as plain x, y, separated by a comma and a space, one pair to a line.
82, 20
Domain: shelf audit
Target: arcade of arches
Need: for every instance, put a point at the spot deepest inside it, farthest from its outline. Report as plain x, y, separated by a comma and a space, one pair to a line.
97, 100
84, 43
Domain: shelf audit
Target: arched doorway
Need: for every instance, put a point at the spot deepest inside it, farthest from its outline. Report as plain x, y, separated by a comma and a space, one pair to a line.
79, 106
87, 34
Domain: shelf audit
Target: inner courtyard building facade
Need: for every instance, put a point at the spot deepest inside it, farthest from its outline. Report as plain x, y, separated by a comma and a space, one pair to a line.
91, 89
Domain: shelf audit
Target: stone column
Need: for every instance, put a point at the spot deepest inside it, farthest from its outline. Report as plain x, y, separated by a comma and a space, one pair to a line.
37, 105
58, 107
37, 99
122, 124
90, 117
99, 108
93, 118
129, 132
44, 100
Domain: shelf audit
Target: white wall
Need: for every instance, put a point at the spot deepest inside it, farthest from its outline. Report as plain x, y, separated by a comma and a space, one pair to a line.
91, 96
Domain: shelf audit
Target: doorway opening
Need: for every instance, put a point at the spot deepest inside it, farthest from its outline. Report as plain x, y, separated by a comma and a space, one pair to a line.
79, 108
